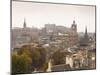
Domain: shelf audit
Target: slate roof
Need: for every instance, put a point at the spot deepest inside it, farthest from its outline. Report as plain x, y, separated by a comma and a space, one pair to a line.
62, 67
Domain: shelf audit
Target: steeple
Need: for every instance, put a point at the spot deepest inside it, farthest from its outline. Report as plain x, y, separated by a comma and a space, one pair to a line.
85, 40
74, 26
86, 30
24, 25
86, 34
86, 37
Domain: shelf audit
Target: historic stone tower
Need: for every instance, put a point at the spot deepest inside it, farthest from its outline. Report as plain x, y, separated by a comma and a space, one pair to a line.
74, 26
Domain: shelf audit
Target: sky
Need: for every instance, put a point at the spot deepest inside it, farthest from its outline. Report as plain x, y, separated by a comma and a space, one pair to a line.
39, 14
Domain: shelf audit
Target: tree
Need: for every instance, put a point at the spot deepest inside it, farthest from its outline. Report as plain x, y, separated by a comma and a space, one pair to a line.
58, 58
25, 49
37, 54
14, 63
39, 58
20, 63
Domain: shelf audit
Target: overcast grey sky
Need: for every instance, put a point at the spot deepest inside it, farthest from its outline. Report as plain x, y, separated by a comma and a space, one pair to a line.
38, 14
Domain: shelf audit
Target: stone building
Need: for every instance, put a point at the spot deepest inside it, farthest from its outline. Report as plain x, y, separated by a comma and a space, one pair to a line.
67, 37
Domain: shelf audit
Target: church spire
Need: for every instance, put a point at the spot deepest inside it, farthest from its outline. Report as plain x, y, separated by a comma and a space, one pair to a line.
86, 34
85, 30
24, 25
85, 40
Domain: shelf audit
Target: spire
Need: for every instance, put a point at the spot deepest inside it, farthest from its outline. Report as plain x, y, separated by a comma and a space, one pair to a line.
86, 34
85, 40
73, 21
85, 30
24, 25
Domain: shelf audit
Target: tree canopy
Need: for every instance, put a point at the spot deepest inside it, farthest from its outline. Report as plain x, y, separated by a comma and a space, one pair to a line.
58, 58
29, 58
21, 64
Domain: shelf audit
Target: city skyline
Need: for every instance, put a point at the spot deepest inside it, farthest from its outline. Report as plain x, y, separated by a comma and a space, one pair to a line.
51, 37
37, 15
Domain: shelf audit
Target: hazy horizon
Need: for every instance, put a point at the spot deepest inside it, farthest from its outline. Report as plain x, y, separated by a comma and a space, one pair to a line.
39, 14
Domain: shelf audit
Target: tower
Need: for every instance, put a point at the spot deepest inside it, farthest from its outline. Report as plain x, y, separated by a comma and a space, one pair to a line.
24, 25
86, 38
74, 26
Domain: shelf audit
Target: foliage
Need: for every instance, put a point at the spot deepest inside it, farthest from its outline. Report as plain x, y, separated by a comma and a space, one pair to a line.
39, 57
29, 58
20, 63
58, 58
25, 49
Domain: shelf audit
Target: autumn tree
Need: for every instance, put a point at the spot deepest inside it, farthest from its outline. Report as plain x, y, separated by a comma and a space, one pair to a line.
21, 63
39, 58
58, 58
37, 54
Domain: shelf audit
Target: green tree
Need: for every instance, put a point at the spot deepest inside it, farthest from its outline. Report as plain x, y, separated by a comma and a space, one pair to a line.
39, 60
58, 58
37, 54
20, 63
25, 49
